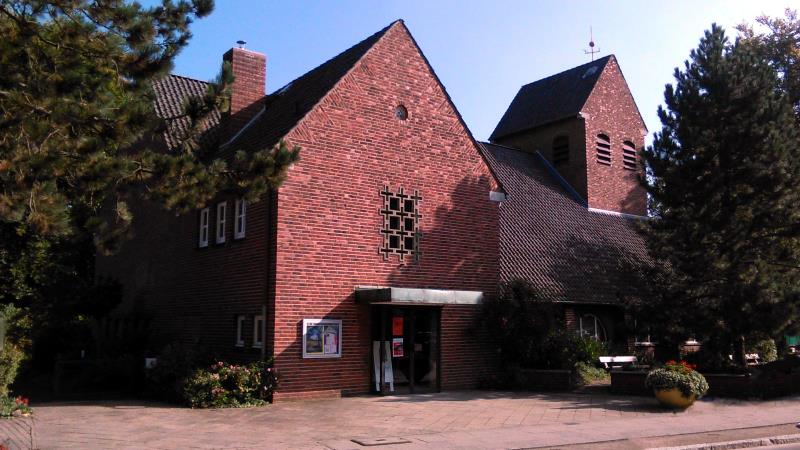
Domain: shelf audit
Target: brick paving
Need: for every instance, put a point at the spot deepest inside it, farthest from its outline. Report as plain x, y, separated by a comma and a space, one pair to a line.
468, 419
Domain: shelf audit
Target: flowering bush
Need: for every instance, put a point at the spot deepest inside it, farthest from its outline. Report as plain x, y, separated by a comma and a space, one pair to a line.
227, 385
10, 407
681, 375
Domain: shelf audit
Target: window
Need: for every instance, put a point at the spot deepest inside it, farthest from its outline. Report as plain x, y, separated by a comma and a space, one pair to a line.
560, 151
240, 331
603, 148
400, 224
628, 155
240, 222
258, 331
322, 338
591, 326
221, 213
203, 235
401, 112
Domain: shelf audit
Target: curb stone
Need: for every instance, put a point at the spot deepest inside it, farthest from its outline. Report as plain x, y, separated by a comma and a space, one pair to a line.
744, 443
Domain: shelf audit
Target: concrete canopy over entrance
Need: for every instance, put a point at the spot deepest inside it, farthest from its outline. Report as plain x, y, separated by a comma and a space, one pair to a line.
416, 296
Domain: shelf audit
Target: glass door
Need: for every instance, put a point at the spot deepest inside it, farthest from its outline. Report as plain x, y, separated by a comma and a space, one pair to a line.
406, 340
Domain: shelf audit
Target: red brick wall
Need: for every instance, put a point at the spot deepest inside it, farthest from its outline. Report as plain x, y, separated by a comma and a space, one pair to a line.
611, 110
328, 217
249, 85
194, 293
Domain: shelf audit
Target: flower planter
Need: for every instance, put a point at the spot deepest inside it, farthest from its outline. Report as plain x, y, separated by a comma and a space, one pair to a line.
674, 398
676, 385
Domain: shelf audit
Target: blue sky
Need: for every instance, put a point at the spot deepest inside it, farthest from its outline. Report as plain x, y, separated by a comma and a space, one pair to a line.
483, 51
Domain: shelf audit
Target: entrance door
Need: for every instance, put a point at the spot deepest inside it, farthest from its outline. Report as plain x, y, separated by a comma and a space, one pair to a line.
409, 340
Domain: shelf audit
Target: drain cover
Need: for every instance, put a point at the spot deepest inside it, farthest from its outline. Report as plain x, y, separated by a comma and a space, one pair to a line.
371, 442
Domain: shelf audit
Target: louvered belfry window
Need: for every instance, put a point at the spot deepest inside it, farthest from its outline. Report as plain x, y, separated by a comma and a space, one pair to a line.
400, 229
560, 150
628, 155
603, 147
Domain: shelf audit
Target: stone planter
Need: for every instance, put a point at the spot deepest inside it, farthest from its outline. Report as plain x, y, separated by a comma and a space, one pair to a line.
629, 382
547, 380
674, 398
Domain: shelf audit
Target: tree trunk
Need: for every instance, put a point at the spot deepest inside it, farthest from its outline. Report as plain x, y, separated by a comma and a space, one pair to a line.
739, 352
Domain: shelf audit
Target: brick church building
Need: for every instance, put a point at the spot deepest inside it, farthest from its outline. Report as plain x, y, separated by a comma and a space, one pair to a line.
370, 263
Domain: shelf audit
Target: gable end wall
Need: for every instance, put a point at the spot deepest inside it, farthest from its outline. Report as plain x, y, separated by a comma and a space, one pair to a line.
328, 221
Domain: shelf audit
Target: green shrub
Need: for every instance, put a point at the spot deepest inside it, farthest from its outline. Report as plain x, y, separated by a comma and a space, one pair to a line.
679, 375
10, 359
519, 319
562, 349
13, 344
766, 349
10, 407
587, 373
227, 385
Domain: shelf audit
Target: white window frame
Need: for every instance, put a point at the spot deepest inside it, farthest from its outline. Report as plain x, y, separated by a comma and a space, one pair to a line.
240, 331
222, 213
257, 328
240, 218
324, 352
204, 227
598, 324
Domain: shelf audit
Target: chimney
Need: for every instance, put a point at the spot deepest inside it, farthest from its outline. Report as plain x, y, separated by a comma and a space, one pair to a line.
249, 70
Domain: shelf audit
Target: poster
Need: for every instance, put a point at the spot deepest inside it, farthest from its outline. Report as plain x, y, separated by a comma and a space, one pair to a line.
397, 347
322, 338
314, 339
397, 326
330, 340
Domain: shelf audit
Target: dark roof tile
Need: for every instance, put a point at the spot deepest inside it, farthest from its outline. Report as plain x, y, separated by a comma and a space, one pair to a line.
549, 237
550, 99
286, 106
170, 94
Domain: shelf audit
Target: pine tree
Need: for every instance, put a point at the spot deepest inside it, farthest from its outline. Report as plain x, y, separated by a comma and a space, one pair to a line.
79, 141
780, 45
77, 119
724, 179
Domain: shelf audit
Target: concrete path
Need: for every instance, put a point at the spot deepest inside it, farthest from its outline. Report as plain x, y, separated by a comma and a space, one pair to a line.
463, 420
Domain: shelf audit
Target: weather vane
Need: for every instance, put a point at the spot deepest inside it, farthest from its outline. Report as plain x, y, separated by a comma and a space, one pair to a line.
591, 50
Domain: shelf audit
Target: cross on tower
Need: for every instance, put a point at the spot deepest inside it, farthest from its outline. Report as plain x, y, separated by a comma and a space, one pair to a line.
591, 50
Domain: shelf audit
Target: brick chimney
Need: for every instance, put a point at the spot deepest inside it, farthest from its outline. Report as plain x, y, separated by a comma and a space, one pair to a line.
249, 69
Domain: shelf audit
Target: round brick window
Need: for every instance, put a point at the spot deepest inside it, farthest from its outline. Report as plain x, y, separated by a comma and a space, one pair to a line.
401, 112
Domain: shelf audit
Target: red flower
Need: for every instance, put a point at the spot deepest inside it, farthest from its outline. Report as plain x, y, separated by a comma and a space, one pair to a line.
671, 362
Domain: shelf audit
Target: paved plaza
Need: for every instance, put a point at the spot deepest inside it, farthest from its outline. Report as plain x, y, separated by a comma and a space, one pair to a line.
466, 419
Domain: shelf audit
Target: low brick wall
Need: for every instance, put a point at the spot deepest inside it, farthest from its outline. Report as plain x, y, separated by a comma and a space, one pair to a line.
548, 380
628, 382
729, 385
720, 385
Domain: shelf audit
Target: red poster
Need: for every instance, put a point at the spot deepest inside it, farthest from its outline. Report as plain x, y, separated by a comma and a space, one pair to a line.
397, 347
397, 326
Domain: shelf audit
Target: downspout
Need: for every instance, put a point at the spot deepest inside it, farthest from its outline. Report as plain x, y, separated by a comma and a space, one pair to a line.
267, 277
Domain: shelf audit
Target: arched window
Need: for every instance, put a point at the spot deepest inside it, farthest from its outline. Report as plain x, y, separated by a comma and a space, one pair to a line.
590, 326
560, 150
628, 155
603, 148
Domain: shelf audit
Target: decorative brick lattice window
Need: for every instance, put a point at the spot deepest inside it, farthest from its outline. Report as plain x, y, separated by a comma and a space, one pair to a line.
401, 218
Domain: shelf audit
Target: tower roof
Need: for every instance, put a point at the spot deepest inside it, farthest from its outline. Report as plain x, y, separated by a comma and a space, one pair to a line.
550, 99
